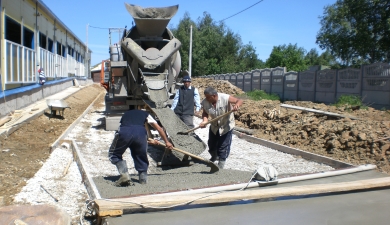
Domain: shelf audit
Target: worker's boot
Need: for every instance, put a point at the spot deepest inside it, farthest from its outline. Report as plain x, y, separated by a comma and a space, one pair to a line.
143, 177
221, 164
124, 179
214, 156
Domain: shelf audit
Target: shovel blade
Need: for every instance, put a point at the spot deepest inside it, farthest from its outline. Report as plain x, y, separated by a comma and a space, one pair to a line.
214, 168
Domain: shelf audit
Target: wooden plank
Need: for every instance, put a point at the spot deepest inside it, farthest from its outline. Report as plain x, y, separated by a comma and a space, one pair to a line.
111, 213
294, 151
145, 203
5, 120
243, 130
317, 111
88, 181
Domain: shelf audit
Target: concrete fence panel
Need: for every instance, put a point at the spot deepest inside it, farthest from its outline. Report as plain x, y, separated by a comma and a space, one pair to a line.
277, 81
247, 81
326, 86
371, 83
349, 82
376, 85
306, 86
290, 86
240, 81
265, 82
233, 79
255, 80
227, 77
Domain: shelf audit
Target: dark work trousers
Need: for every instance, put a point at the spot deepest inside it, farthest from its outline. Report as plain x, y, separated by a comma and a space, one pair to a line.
135, 138
220, 144
187, 119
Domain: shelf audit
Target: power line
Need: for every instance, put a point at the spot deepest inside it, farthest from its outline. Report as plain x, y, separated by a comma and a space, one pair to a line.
104, 28
242, 11
107, 28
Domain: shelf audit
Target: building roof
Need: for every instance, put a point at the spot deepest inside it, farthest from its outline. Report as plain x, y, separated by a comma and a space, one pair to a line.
96, 68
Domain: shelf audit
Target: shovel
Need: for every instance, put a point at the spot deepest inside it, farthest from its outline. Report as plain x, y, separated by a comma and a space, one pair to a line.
214, 168
210, 121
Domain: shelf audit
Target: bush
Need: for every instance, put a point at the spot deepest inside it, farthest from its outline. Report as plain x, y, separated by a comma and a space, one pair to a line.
350, 102
260, 94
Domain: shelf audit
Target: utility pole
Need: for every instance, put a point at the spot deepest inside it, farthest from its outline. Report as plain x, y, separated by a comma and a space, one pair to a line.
190, 57
87, 37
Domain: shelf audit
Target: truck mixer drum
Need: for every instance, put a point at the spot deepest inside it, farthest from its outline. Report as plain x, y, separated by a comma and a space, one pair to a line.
147, 74
148, 66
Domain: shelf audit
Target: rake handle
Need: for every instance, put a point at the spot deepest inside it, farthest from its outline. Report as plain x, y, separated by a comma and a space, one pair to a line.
210, 121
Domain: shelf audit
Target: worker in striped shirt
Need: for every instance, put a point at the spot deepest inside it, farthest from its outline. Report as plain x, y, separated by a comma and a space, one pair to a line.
42, 77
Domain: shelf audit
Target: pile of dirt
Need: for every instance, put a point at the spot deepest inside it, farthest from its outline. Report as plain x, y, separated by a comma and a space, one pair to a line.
219, 85
23, 152
353, 141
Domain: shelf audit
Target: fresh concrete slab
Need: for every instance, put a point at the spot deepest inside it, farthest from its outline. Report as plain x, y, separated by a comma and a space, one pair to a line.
365, 207
167, 179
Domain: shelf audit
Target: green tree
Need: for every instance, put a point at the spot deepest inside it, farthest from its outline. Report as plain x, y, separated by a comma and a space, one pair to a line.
312, 57
325, 59
356, 31
290, 56
216, 49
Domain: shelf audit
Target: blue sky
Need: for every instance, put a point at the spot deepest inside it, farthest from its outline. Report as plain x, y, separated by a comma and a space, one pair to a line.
267, 24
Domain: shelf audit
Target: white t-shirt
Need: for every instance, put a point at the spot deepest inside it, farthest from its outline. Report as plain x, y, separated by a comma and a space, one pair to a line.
150, 119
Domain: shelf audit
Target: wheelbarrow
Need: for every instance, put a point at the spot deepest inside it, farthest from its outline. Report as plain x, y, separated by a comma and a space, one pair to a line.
56, 105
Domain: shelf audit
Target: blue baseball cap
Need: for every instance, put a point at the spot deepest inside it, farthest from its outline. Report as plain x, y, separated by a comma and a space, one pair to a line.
186, 78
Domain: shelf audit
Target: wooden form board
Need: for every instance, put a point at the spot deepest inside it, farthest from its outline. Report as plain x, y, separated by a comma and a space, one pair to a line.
87, 179
317, 111
113, 207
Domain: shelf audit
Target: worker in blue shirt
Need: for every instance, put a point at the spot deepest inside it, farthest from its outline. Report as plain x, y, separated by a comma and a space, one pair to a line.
185, 99
132, 134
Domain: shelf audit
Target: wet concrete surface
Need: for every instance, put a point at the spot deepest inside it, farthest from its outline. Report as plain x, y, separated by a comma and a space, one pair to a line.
166, 179
173, 125
360, 208
353, 208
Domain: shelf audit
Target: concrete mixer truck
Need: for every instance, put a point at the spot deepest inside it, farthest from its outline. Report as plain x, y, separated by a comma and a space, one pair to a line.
144, 64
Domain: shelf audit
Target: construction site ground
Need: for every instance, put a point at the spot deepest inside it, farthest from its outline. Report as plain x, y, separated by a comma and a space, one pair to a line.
357, 142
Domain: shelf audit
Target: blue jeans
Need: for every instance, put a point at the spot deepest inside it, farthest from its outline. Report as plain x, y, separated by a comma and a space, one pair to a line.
220, 144
135, 138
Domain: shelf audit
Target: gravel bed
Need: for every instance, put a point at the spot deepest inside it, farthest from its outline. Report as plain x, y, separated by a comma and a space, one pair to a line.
94, 141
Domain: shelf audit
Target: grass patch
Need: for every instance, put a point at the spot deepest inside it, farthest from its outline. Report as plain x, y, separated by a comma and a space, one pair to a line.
258, 95
350, 102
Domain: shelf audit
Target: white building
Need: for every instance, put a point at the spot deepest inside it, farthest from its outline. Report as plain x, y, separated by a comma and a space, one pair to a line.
32, 37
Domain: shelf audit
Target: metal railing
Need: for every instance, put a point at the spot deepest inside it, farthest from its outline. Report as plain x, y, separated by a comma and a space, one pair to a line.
21, 65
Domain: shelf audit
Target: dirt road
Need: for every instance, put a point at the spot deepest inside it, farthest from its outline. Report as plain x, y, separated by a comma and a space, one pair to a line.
23, 152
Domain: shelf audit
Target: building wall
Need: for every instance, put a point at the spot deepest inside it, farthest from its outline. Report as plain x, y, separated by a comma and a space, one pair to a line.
38, 19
